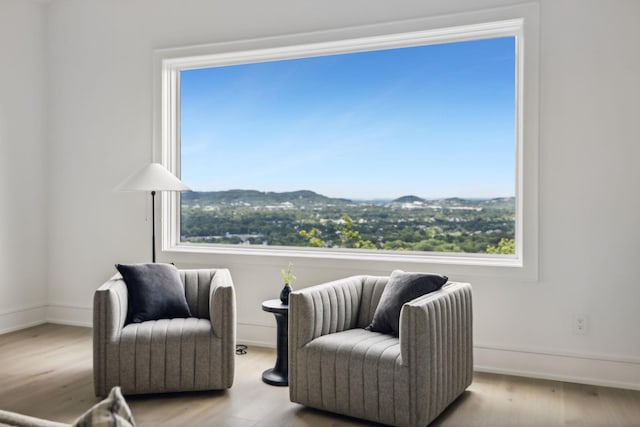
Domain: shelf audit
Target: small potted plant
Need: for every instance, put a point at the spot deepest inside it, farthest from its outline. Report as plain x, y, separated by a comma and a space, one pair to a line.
287, 278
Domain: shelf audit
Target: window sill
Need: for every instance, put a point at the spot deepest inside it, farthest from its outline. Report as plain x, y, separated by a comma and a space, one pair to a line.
353, 254
462, 267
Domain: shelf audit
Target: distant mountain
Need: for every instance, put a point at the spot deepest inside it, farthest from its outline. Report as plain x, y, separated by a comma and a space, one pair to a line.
259, 198
408, 199
301, 198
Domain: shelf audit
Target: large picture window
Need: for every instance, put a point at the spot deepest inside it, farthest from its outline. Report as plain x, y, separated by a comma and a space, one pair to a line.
407, 144
401, 149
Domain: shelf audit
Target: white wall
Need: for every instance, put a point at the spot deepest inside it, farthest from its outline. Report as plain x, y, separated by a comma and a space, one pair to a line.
22, 165
100, 110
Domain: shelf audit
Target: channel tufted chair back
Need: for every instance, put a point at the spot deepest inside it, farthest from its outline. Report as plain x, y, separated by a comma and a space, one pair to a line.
338, 366
166, 355
197, 284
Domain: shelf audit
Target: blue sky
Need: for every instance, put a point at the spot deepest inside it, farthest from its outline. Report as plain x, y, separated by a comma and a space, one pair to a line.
431, 121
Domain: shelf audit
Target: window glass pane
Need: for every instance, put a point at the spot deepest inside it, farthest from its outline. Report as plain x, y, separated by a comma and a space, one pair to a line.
401, 149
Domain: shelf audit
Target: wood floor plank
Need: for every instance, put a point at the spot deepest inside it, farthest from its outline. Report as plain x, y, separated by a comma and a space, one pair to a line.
45, 371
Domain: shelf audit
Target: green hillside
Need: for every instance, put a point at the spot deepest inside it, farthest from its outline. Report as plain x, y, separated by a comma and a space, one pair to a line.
305, 218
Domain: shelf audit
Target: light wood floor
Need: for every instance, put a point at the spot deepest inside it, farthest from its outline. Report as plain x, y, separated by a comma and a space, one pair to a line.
45, 372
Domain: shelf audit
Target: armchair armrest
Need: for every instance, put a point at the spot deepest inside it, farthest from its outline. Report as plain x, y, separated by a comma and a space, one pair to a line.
222, 313
222, 304
19, 420
436, 343
323, 309
110, 305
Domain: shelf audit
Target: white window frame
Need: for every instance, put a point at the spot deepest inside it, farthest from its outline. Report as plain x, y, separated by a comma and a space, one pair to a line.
519, 21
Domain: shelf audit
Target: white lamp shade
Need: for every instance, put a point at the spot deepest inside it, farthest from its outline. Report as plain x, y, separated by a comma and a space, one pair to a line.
153, 177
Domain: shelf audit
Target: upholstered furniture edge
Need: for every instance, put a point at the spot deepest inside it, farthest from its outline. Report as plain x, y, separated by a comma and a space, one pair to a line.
14, 419
222, 314
110, 303
436, 333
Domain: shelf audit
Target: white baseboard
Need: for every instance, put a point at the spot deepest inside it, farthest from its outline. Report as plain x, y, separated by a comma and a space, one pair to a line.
22, 318
594, 369
70, 315
257, 335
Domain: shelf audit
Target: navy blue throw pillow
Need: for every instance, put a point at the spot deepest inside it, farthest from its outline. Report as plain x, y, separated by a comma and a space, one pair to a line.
155, 292
401, 288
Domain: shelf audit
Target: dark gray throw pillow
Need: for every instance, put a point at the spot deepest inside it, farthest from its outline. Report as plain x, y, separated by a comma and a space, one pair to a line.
401, 288
155, 292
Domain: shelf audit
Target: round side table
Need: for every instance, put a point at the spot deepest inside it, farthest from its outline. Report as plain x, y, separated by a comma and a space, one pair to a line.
279, 374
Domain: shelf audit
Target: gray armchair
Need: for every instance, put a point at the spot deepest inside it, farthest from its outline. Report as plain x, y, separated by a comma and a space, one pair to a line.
336, 365
166, 355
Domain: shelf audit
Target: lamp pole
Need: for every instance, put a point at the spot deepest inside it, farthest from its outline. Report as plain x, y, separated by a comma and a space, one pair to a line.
153, 226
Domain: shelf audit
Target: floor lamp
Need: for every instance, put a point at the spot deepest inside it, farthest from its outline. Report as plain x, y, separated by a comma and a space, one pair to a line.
153, 178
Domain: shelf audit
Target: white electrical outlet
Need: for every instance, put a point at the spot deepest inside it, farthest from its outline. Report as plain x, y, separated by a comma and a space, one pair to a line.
580, 324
